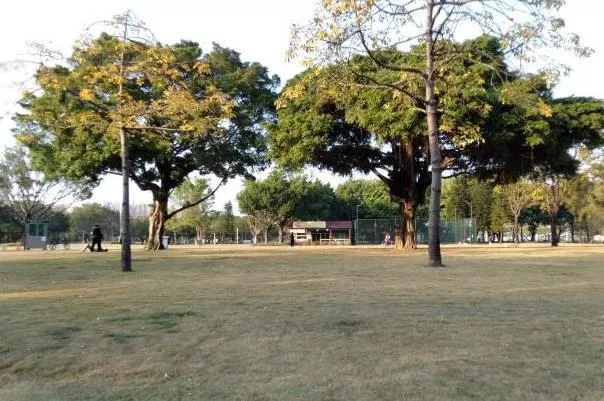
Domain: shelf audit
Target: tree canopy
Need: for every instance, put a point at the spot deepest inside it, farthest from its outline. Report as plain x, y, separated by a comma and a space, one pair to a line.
184, 112
342, 29
30, 195
489, 123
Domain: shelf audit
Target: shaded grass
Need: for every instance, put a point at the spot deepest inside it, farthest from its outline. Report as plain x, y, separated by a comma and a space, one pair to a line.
299, 324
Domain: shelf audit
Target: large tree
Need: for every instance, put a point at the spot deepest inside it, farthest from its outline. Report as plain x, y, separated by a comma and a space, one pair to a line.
372, 196
257, 203
82, 218
533, 217
316, 201
369, 129
574, 123
229, 219
270, 201
193, 218
10, 230
343, 28
518, 196
578, 200
30, 195
183, 111
554, 190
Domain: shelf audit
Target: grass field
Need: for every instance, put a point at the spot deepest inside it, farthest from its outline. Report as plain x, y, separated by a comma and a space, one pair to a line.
303, 324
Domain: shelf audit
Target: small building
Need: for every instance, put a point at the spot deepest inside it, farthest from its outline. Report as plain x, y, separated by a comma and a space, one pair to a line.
36, 233
337, 232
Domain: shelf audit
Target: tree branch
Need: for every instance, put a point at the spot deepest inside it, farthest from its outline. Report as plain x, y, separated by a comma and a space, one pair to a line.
190, 205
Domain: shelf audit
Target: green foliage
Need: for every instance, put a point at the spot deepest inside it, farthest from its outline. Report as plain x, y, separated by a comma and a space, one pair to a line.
184, 112
501, 216
267, 202
316, 201
58, 223
575, 122
193, 220
83, 218
481, 193
10, 229
229, 218
455, 198
139, 228
371, 195
533, 217
29, 194
493, 125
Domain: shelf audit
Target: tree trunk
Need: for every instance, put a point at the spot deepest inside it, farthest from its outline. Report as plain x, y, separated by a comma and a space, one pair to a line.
572, 229
399, 242
434, 256
533, 232
126, 252
281, 231
157, 220
265, 236
515, 229
553, 222
408, 242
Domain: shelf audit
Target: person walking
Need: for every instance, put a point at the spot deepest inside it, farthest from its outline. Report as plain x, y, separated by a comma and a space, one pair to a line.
97, 236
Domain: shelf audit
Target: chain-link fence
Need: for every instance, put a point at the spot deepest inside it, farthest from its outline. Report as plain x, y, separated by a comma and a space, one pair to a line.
373, 231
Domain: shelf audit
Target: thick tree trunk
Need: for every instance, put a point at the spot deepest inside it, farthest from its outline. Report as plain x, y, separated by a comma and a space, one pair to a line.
553, 222
265, 236
399, 241
281, 231
408, 242
158, 213
434, 256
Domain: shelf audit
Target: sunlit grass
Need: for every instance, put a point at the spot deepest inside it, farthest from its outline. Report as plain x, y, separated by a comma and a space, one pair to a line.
228, 323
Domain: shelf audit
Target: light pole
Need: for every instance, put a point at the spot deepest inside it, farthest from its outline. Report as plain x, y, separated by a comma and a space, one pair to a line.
356, 226
471, 223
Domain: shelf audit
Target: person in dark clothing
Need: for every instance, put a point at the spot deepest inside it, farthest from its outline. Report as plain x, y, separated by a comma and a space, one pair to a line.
97, 236
292, 240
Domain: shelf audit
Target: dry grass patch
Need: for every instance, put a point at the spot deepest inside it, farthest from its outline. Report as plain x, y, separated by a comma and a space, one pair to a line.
225, 323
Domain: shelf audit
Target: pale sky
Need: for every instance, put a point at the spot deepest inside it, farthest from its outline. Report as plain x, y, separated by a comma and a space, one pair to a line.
258, 29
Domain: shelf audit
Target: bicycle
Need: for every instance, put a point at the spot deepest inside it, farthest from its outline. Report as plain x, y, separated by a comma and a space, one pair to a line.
52, 245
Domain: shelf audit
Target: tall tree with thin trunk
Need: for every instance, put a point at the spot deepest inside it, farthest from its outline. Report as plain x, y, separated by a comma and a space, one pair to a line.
29, 195
344, 28
190, 191
486, 125
229, 219
553, 192
181, 112
519, 195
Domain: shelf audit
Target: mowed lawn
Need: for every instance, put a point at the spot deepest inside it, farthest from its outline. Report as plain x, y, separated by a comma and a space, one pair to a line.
275, 323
